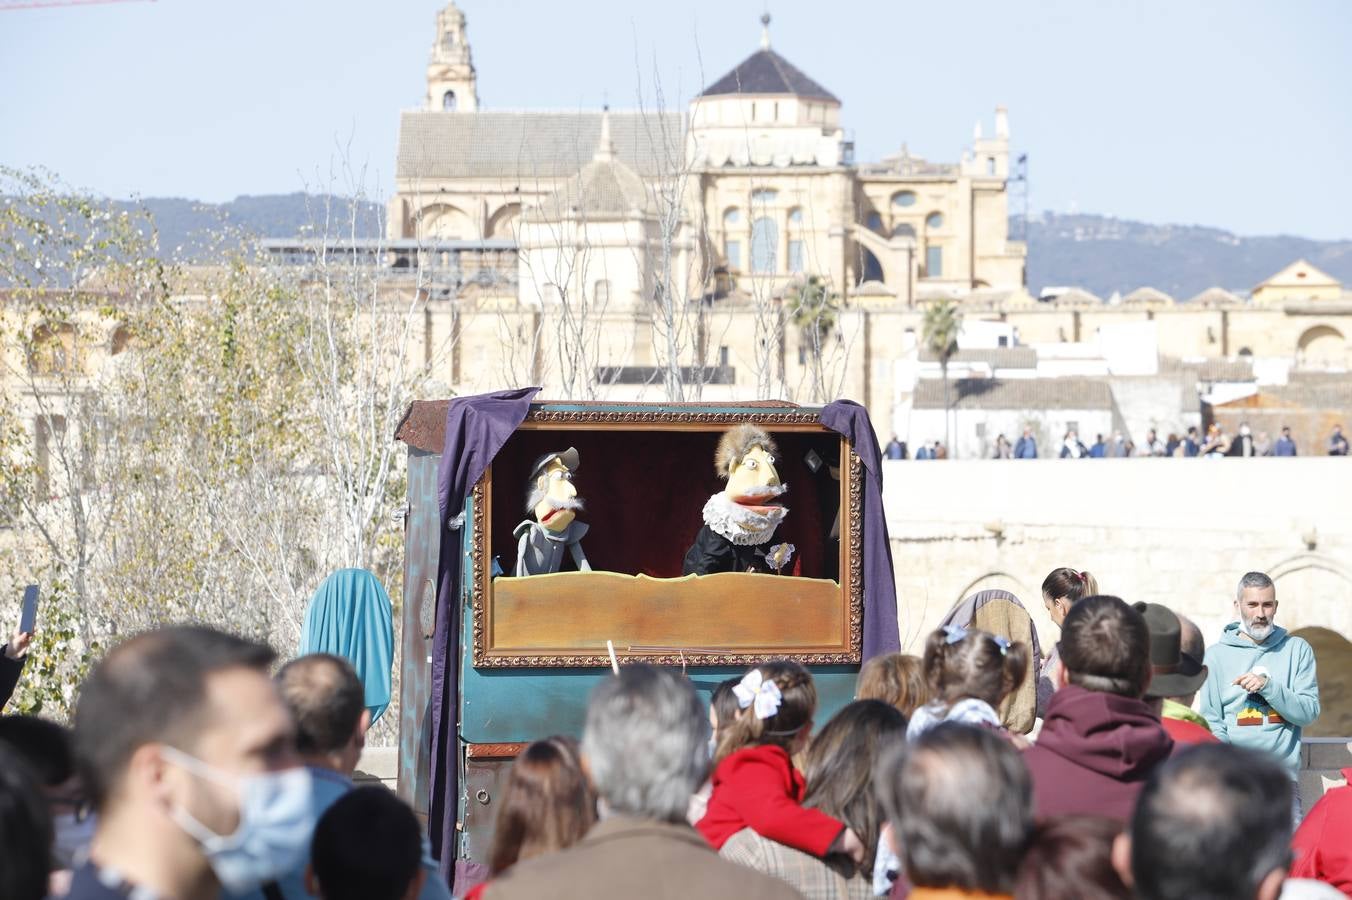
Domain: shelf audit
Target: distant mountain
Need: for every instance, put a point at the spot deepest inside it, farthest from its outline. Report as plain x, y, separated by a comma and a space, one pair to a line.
1098, 253
191, 230
1104, 254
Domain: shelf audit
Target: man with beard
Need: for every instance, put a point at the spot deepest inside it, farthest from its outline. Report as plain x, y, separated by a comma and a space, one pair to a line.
553, 506
740, 520
1261, 688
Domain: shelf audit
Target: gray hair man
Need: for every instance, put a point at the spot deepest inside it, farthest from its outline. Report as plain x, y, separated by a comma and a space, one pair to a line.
645, 748
959, 803
1261, 686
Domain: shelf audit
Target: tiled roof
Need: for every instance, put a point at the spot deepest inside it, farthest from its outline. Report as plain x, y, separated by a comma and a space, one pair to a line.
1015, 393
995, 357
523, 146
1215, 296
1327, 393
1211, 369
602, 190
766, 72
1147, 295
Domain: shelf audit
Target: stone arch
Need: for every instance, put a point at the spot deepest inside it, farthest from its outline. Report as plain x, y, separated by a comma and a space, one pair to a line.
1322, 347
1313, 590
443, 221
53, 349
503, 223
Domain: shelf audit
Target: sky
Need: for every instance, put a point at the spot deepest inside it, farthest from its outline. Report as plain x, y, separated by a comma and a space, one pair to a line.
1228, 113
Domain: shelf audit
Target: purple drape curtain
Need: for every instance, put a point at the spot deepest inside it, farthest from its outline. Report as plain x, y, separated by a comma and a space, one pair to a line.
881, 634
476, 429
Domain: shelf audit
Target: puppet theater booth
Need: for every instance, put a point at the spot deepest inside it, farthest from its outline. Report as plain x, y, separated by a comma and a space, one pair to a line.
491, 661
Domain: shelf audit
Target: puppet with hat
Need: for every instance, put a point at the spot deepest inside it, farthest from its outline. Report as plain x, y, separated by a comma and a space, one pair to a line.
551, 525
740, 520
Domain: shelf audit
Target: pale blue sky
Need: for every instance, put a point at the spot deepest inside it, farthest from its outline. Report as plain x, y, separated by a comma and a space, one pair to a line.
1232, 113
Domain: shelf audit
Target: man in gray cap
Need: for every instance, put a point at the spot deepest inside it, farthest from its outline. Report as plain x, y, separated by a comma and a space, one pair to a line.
552, 506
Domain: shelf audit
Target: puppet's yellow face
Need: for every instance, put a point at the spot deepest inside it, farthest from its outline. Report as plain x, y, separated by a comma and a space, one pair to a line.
557, 483
752, 474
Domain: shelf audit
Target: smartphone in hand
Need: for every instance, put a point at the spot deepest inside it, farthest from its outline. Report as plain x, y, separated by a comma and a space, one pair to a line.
30, 609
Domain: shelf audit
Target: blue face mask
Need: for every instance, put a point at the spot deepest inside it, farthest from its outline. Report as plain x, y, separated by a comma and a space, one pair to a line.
276, 822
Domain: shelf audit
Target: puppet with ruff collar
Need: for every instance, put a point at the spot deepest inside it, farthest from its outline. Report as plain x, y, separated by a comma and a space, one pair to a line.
740, 520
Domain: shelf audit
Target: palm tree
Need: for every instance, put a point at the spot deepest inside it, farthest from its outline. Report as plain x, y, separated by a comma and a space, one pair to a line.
941, 327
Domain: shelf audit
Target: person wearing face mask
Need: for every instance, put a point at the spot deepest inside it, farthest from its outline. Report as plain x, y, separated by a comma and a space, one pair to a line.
327, 703
188, 756
46, 747
1243, 444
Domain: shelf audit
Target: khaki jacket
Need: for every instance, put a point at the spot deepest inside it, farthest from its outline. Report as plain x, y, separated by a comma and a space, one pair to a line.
624, 857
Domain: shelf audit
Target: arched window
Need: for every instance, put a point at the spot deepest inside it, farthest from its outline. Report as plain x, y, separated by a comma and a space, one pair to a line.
52, 350
875, 222
732, 241
120, 341
448, 101
934, 220
903, 199
901, 229
764, 245
869, 267
795, 241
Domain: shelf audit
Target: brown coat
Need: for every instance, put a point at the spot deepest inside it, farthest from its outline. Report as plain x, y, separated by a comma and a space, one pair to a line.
624, 857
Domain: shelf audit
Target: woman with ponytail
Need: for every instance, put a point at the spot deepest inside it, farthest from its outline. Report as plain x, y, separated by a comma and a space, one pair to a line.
1060, 591
755, 783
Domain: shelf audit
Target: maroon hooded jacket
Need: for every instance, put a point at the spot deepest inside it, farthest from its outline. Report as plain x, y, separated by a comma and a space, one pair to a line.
1094, 754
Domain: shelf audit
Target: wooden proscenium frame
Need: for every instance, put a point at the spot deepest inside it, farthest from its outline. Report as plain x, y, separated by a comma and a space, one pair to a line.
565, 619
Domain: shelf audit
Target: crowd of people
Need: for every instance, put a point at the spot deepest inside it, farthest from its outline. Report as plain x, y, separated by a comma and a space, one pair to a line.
1162, 769
1191, 443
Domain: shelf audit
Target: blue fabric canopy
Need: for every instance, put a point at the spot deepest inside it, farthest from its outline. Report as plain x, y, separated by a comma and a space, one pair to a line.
350, 616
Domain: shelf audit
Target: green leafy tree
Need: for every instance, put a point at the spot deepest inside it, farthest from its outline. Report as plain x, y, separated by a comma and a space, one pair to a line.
942, 324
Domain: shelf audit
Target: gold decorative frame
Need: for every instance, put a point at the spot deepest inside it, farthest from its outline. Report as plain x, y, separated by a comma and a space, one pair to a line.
846, 650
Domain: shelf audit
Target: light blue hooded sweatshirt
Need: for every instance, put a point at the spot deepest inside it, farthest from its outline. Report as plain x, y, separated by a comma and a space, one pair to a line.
1270, 720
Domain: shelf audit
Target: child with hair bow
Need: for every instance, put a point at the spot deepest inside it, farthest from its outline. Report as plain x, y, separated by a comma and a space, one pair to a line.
755, 784
969, 672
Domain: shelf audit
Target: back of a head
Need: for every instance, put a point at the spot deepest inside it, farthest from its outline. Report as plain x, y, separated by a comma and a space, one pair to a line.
326, 700
547, 805
1105, 646
960, 801
149, 689
25, 830
724, 702
1071, 856
1069, 584
1212, 823
969, 662
367, 846
894, 678
645, 742
797, 705
46, 746
840, 763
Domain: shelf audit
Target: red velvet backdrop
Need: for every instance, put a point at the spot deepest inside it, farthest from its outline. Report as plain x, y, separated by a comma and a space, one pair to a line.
645, 491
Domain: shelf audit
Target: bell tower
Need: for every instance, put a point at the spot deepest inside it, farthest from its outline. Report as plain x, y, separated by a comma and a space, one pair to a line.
451, 84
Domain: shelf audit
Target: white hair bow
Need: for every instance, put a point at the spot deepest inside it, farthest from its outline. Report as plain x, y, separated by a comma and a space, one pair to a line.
755, 689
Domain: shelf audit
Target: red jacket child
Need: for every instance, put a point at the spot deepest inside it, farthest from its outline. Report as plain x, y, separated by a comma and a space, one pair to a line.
1323, 843
758, 788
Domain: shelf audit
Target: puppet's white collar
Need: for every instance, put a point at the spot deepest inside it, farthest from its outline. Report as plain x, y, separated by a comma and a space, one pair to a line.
740, 524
